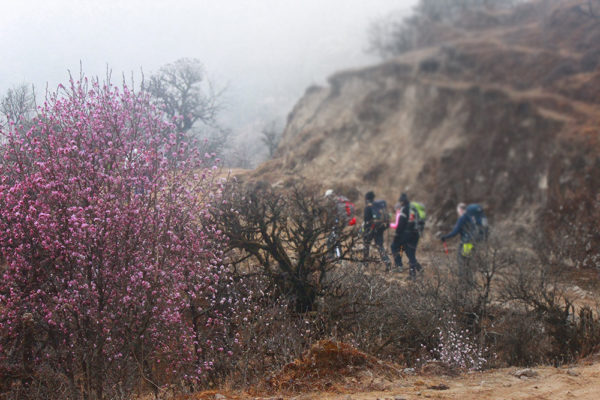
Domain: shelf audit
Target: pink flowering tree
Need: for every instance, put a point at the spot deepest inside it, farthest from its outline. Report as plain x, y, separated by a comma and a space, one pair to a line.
112, 277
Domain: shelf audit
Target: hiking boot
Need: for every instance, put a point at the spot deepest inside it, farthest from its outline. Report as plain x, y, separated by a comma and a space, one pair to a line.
399, 269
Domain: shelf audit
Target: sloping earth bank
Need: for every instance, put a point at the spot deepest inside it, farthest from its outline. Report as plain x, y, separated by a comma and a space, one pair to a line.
580, 381
337, 371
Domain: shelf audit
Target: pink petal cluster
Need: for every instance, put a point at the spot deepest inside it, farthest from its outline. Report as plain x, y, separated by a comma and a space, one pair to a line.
109, 259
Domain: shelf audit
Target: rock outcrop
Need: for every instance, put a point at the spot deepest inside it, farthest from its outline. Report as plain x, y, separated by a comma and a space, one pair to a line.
504, 112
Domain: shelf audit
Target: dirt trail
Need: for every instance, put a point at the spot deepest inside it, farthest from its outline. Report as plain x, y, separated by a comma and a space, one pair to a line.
581, 381
578, 382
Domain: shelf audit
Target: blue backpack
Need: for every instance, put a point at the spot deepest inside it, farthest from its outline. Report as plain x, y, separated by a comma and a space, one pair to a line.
479, 223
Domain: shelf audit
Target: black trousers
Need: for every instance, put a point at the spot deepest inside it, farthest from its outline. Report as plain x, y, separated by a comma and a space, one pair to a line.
377, 237
408, 243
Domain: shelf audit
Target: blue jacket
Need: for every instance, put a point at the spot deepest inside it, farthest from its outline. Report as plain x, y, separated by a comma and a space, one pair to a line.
464, 226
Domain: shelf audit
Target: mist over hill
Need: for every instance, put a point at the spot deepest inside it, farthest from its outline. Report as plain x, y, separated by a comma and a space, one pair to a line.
500, 107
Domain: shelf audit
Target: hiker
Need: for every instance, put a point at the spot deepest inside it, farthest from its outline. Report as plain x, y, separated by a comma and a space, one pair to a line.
344, 207
406, 237
473, 228
375, 223
344, 210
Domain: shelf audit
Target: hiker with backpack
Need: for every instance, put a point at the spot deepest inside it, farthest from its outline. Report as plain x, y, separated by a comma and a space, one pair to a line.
406, 237
418, 214
472, 226
376, 220
344, 207
344, 211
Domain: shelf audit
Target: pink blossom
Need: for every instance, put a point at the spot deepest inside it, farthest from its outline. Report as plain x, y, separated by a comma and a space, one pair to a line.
105, 251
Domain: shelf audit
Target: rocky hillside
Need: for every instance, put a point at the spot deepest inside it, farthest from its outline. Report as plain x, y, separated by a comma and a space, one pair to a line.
501, 108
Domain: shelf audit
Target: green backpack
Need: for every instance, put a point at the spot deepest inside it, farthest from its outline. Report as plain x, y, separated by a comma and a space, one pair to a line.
418, 215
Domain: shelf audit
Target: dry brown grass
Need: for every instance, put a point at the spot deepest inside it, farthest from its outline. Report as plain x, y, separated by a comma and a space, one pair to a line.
330, 366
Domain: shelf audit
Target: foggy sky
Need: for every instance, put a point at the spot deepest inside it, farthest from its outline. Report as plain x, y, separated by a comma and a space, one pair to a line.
265, 52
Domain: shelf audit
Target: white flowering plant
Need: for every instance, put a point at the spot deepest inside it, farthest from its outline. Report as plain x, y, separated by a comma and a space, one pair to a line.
456, 348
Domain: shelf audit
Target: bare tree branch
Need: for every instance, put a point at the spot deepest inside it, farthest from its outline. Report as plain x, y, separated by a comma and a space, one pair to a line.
191, 102
271, 135
19, 104
291, 236
590, 10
